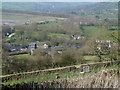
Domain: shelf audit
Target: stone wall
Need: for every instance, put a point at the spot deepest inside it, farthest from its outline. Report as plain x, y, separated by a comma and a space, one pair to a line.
104, 79
92, 66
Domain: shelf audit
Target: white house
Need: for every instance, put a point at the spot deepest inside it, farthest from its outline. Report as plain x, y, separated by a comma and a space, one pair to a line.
11, 35
76, 37
41, 22
45, 46
80, 23
28, 22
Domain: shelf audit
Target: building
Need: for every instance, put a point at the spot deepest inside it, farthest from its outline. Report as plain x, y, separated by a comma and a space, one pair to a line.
9, 32
45, 46
33, 45
12, 46
41, 22
11, 35
104, 45
77, 37
28, 22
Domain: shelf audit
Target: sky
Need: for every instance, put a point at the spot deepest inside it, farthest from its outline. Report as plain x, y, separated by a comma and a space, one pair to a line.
59, 0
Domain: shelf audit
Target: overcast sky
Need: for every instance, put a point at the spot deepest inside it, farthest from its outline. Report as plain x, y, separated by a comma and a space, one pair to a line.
59, 0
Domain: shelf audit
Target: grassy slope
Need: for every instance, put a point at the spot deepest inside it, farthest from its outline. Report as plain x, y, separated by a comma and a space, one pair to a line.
49, 77
21, 16
90, 30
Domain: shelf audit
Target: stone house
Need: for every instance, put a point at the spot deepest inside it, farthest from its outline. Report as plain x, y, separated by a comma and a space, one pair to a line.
77, 37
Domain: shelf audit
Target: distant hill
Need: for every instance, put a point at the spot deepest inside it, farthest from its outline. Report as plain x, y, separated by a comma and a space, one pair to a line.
42, 6
106, 9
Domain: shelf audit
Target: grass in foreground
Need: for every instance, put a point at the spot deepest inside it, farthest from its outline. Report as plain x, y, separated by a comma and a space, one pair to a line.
49, 77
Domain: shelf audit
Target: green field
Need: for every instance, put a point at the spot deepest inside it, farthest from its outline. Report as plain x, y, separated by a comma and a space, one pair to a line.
91, 30
90, 58
55, 25
99, 32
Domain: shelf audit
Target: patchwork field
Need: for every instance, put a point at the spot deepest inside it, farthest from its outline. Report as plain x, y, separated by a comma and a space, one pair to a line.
21, 18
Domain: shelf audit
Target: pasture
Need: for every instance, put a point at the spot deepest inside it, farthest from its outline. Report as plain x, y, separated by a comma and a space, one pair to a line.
23, 16
99, 32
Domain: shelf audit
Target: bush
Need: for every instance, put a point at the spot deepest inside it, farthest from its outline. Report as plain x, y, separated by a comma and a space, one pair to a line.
67, 59
70, 57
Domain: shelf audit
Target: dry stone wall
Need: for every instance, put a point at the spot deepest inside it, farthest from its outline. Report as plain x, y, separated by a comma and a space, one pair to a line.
103, 79
92, 66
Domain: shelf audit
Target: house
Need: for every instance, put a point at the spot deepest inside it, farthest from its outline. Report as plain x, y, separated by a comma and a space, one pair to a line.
8, 31
80, 23
12, 46
45, 46
24, 48
77, 37
104, 44
59, 51
28, 22
33, 45
41, 22
11, 35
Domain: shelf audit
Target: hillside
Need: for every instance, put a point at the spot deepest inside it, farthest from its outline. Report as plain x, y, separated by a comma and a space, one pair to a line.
102, 79
84, 9
60, 45
50, 7
99, 10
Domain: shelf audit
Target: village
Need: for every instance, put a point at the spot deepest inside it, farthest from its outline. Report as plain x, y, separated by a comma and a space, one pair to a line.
17, 49
60, 45
32, 39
